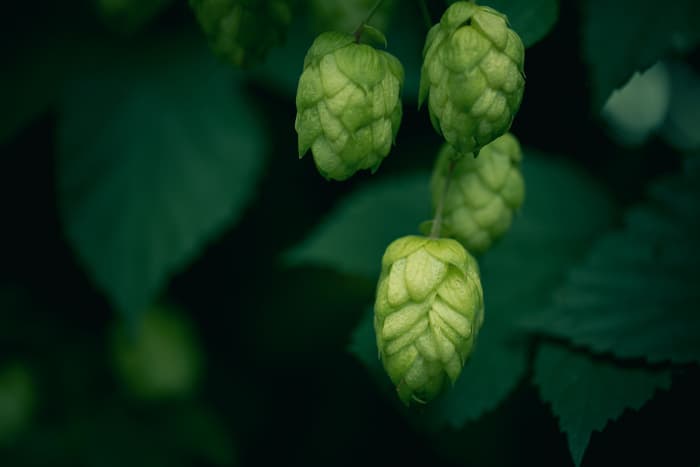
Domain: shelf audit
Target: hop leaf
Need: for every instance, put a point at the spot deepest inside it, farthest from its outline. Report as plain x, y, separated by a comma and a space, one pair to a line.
348, 106
472, 75
428, 311
483, 194
242, 31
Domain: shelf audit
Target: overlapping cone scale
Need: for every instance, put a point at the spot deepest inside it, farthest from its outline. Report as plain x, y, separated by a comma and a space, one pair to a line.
428, 311
348, 105
242, 31
484, 192
472, 76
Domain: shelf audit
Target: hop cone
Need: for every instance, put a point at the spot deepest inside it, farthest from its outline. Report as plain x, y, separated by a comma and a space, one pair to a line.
242, 31
428, 311
484, 192
348, 106
473, 76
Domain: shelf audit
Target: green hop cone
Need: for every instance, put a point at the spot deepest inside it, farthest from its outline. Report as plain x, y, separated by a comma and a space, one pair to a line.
428, 311
348, 105
483, 194
472, 75
242, 31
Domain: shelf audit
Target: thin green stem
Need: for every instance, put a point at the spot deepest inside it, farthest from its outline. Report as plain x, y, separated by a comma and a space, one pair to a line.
437, 221
426, 14
358, 31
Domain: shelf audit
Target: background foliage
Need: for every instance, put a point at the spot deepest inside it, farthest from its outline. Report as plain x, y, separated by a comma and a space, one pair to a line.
177, 288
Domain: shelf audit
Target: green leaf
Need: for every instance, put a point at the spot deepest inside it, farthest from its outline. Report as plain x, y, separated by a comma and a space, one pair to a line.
586, 392
158, 152
518, 275
532, 20
283, 65
625, 36
352, 239
637, 295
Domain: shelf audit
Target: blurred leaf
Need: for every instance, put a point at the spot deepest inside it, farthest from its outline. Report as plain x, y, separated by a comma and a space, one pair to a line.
637, 295
352, 239
518, 276
17, 401
159, 357
639, 107
532, 20
586, 393
682, 127
625, 36
158, 152
283, 65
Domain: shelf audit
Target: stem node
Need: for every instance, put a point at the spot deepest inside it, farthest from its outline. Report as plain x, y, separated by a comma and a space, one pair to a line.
358, 31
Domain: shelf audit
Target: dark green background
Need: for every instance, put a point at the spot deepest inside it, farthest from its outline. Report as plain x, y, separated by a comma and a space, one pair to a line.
279, 384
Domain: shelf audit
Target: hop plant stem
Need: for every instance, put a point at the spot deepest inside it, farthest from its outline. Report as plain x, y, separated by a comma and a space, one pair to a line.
437, 222
360, 28
426, 14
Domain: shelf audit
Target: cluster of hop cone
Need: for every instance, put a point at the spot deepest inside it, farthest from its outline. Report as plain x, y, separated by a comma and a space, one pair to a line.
429, 305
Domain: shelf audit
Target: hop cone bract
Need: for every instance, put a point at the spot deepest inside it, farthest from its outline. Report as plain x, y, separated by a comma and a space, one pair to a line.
348, 106
484, 192
428, 311
472, 75
242, 31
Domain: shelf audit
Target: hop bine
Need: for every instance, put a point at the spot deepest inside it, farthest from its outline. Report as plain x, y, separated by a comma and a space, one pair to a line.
428, 311
348, 105
472, 75
484, 192
345, 15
